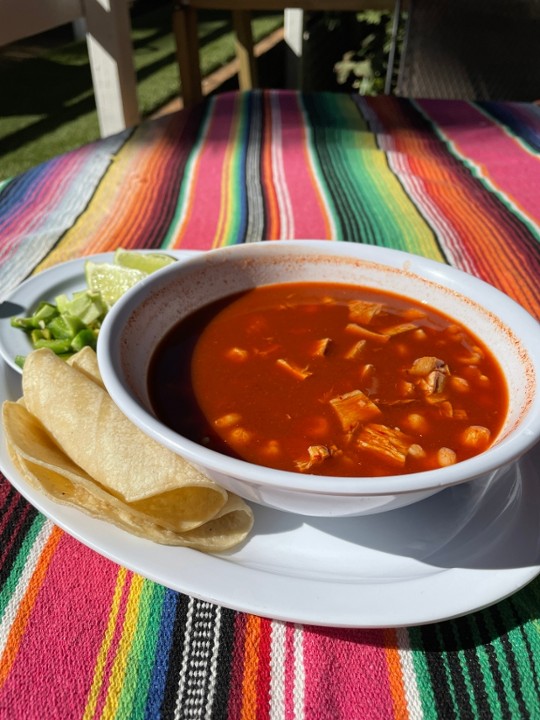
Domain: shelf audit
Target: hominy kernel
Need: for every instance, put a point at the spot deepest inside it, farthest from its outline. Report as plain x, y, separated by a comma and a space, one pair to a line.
459, 384
475, 376
316, 375
416, 451
416, 423
475, 435
473, 359
454, 329
228, 420
317, 426
446, 456
272, 448
240, 436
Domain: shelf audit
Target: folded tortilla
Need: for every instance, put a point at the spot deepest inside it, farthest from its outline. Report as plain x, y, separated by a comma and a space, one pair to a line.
68, 438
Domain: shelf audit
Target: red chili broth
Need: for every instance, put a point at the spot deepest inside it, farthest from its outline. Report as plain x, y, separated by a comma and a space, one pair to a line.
329, 379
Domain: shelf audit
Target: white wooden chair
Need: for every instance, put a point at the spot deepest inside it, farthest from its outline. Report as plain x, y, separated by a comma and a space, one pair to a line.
187, 43
108, 36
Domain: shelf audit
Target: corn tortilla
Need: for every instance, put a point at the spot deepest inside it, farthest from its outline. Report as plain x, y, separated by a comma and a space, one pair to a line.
86, 362
69, 439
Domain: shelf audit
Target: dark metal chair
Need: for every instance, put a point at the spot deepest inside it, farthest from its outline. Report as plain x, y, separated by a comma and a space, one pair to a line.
471, 49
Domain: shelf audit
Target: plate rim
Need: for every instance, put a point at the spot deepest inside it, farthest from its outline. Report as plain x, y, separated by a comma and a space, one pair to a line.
256, 595
194, 567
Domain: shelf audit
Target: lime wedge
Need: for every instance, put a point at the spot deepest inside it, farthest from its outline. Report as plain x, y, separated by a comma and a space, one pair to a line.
112, 281
146, 262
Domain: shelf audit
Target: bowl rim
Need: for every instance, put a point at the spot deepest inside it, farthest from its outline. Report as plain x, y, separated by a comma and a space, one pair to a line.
509, 449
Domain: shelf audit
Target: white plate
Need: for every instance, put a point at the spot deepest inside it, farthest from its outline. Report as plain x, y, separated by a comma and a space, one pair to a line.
459, 551
65, 278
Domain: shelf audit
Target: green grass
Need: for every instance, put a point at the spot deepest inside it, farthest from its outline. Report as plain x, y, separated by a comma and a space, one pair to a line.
47, 100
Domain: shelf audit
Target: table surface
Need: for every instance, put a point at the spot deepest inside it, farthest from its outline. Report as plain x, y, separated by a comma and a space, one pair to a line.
81, 637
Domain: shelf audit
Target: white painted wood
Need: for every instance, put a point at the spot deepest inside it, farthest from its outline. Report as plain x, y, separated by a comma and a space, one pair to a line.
293, 30
79, 28
23, 18
111, 61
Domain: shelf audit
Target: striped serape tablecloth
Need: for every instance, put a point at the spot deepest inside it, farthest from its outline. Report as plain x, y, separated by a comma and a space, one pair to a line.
81, 637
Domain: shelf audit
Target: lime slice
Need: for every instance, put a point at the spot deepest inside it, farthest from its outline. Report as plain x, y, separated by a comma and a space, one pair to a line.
111, 280
146, 262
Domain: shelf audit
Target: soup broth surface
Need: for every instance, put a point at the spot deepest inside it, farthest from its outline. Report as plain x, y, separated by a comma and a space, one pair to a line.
329, 379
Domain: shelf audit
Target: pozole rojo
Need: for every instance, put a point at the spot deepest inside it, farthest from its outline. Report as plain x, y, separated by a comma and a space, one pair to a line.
329, 379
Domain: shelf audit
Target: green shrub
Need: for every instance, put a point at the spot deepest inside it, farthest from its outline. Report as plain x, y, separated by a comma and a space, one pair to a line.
364, 69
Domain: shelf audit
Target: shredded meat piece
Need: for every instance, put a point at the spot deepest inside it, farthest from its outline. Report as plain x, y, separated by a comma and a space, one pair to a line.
435, 382
398, 329
422, 366
368, 377
413, 314
356, 350
317, 455
405, 388
321, 347
237, 354
366, 334
363, 311
394, 403
367, 371
389, 444
353, 408
293, 369
432, 374
268, 350
446, 409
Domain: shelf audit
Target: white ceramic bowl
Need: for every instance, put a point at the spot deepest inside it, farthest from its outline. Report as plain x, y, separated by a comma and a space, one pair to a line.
143, 316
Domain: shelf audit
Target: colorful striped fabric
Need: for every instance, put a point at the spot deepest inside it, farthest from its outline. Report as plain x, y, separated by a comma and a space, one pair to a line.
81, 637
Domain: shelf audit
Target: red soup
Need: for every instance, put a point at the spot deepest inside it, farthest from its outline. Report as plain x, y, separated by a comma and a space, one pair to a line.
329, 379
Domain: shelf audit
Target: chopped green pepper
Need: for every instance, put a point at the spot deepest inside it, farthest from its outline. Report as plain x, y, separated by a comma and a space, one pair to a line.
65, 326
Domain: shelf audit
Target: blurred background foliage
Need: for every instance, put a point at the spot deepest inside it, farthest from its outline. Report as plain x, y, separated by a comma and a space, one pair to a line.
47, 104
364, 67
